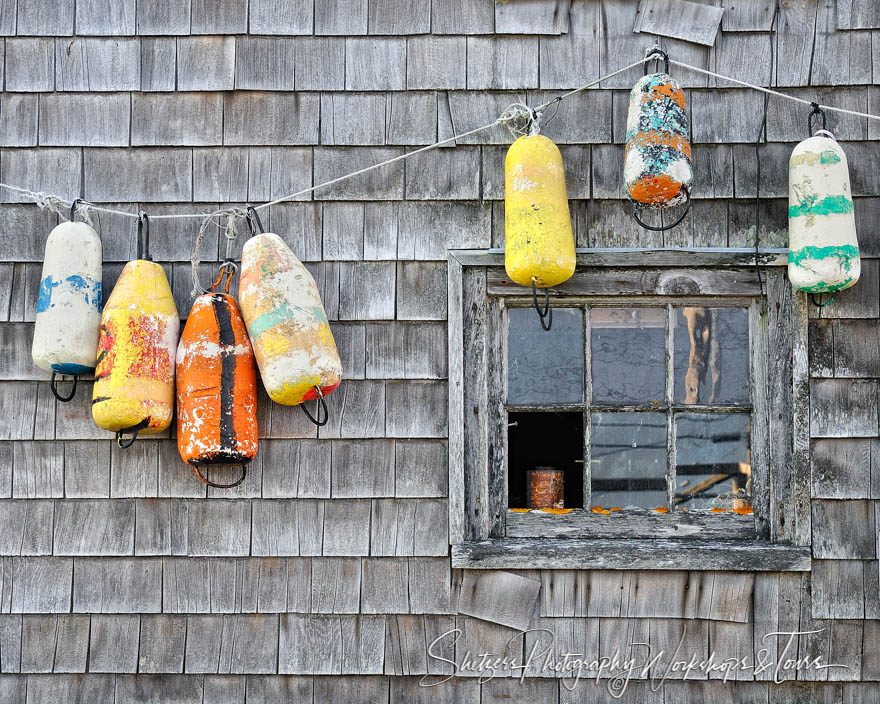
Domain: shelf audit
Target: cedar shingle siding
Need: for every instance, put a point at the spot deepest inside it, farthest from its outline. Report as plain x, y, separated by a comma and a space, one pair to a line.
324, 576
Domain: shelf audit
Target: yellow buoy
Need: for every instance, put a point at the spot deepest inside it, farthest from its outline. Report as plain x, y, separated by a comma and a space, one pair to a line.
134, 377
539, 246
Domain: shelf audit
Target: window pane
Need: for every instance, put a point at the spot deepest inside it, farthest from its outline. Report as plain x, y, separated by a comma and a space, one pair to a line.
712, 460
628, 354
628, 459
711, 355
545, 367
549, 439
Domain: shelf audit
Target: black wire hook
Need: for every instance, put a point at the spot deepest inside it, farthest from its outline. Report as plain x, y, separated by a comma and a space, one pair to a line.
322, 404
73, 208
816, 111
547, 313
223, 486
143, 237
54, 387
134, 430
655, 54
255, 225
818, 301
687, 207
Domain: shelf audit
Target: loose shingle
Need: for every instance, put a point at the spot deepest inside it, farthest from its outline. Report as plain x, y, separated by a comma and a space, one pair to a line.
271, 118
345, 17
30, 65
281, 16
206, 63
97, 64
690, 21
502, 62
153, 175
500, 597
86, 120
265, 63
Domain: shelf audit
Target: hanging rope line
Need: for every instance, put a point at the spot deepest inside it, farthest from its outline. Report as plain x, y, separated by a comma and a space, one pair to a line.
515, 114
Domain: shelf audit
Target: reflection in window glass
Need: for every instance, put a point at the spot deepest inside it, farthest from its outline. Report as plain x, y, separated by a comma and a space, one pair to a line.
628, 459
712, 461
711, 355
545, 367
628, 354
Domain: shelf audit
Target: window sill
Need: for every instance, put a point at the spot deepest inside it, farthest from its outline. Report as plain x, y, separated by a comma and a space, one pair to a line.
619, 554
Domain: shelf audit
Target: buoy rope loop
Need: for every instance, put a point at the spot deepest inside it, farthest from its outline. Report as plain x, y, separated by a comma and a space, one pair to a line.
53, 386
255, 225
547, 313
687, 206
134, 430
655, 53
522, 119
215, 485
818, 301
143, 237
322, 405
73, 207
817, 110
825, 133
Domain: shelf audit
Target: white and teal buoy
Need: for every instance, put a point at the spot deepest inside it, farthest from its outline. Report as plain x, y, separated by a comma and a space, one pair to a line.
823, 250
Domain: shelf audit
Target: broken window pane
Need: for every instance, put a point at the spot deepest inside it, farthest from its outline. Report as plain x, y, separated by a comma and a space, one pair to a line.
545, 367
628, 354
712, 461
628, 459
711, 355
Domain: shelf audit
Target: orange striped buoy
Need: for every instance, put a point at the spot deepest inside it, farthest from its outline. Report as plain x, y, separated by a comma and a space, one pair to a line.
216, 388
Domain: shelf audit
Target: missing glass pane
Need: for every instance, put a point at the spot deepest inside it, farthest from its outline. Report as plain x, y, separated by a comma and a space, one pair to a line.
628, 354
712, 461
628, 459
545, 368
711, 355
547, 439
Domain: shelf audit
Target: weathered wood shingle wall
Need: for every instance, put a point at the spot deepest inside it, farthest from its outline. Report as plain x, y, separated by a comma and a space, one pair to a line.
330, 563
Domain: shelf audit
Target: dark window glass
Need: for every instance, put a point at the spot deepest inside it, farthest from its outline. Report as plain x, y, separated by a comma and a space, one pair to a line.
711, 355
545, 368
628, 355
628, 459
712, 460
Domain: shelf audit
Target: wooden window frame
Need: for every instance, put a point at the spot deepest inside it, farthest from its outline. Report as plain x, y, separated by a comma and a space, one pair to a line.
484, 534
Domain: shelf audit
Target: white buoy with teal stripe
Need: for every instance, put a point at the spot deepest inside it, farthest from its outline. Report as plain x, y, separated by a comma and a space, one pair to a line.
823, 248
69, 302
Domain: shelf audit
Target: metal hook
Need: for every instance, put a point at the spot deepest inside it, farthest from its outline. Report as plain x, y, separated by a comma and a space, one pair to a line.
222, 486
73, 208
322, 404
655, 53
143, 236
227, 267
254, 222
687, 207
547, 313
818, 301
816, 111
134, 430
63, 399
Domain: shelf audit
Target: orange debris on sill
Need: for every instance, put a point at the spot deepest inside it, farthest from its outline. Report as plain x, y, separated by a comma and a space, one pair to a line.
661, 509
557, 511
598, 509
520, 510
743, 510
718, 510
615, 508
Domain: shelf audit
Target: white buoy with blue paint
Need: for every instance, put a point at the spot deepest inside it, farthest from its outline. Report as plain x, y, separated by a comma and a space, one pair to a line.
69, 304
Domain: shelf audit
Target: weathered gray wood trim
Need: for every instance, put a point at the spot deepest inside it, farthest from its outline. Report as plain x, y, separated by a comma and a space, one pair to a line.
496, 392
799, 502
759, 429
456, 402
641, 282
631, 523
655, 554
627, 257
